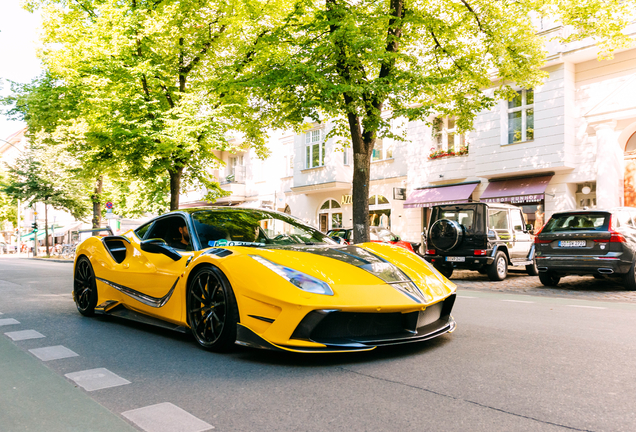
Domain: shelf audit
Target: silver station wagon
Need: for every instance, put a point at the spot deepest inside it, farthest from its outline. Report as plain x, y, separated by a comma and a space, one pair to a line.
588, 242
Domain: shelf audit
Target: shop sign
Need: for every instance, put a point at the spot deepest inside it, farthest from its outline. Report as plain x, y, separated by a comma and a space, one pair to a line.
520, 199
346, 199
399, 193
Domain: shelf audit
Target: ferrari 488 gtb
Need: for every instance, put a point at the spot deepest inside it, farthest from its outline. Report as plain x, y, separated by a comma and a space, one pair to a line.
262, 279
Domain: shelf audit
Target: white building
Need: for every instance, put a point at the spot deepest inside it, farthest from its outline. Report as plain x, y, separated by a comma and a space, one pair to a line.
568, 143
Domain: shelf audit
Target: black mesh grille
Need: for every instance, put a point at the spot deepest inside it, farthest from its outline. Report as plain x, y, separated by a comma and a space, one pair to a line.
356, 325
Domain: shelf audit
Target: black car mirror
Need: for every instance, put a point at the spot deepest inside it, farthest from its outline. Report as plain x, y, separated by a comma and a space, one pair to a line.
529, 227
340, 240
161, 247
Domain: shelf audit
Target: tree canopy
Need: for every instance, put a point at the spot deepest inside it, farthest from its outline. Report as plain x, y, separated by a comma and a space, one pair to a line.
362, 63
150, 83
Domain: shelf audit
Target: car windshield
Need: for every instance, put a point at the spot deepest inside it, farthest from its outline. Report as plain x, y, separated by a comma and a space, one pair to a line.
257, 228
569, 222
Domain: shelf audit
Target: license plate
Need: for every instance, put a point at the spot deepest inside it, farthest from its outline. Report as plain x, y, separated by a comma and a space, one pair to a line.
456, 259
572, 243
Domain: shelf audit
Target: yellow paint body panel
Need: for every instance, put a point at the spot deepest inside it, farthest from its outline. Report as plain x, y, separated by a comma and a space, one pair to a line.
258, 290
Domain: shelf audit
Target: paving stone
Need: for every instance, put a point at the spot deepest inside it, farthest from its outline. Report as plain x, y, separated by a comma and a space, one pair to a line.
53, 353
581, 287
166, 417
96, 379
24, 335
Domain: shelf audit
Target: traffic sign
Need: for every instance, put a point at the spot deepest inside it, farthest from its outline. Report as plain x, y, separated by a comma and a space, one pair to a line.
109, 205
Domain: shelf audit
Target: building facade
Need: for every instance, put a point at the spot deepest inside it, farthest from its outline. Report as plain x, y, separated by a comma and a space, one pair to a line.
568, 143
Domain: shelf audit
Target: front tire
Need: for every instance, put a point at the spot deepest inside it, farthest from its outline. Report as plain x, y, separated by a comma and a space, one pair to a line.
549, 279
212, 309
84, 287
498, 270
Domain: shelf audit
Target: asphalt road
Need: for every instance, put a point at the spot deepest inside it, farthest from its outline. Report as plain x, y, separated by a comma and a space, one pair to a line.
515, 363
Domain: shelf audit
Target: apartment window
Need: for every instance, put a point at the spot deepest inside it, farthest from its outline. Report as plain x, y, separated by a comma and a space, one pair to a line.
236, 169
381, 150
521, 117
314, 149
346, 157
446, 137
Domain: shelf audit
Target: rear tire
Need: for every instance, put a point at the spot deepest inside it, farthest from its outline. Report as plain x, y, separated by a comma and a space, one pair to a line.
498, 270
549, 279
532, 269
629, 280
446, 270
84, 287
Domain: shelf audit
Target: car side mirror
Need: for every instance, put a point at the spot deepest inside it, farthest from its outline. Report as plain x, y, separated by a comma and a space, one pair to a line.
529, 227
161, 247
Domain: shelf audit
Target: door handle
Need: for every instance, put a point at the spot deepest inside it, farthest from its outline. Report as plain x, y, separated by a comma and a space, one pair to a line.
126, 265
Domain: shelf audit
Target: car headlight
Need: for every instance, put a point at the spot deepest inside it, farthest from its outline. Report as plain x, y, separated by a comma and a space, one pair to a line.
299, 279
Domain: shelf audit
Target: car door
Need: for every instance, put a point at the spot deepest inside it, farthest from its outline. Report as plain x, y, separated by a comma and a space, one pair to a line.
149, 278
522, 240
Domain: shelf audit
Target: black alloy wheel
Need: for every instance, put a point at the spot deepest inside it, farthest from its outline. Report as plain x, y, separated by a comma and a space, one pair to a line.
84, 287
549, 279
498, 270
212, 310
532, 269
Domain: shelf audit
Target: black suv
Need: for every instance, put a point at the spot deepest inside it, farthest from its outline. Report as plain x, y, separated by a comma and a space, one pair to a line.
601, 243
487, 237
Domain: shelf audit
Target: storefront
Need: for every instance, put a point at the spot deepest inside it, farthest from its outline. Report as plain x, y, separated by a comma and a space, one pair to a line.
527, 193
430, 196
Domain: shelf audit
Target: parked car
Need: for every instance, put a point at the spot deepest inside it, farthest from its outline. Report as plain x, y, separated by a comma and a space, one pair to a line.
487, 237
4, 248
601, 243
377, 234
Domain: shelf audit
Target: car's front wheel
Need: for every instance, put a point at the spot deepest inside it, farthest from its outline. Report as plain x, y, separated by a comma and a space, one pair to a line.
549, 279
498, 270
84, 287
212, 309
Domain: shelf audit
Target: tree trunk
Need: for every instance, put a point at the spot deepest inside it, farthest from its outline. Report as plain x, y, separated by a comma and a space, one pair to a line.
97, 203
175, 187
361, 174
46, 228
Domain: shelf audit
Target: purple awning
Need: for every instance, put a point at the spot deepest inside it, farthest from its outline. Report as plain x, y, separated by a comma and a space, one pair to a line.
517, 191
451, 194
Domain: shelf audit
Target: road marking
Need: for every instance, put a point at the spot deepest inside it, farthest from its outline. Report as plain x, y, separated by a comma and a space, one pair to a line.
8, 321
518, 301
166, 417
587, 307
24, 335
53, 353
465, 296
96, 379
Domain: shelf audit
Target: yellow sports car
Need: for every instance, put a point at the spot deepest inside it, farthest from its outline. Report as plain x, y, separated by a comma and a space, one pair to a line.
262, 279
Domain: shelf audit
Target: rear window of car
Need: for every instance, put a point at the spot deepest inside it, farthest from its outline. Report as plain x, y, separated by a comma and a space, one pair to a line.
582, 222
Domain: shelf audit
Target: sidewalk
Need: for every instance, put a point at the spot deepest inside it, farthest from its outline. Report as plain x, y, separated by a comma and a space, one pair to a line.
34, 398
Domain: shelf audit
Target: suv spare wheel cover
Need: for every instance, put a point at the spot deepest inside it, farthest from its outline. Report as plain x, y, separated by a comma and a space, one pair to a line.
445, 234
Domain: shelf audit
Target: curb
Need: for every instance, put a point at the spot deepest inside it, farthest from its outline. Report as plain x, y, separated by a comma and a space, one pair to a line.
49, 259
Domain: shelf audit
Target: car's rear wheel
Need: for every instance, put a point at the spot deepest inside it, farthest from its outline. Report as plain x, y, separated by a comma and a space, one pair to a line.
498, 270
532, 269
549, 279
84, 287
446, 270
629, 280
212, 309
